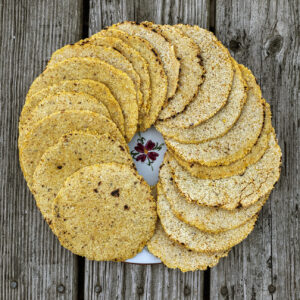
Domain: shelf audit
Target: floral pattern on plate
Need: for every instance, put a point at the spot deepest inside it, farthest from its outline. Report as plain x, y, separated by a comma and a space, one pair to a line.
146, 151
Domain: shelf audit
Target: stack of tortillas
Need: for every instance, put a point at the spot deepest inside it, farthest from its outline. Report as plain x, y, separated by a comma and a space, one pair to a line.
222, 160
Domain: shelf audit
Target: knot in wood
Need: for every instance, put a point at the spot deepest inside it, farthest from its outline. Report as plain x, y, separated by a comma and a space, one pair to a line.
186, 291
13, 284
224, 291
274, 44
61, 288
269, 262
234, 45
140, 290
98, 289
271, 289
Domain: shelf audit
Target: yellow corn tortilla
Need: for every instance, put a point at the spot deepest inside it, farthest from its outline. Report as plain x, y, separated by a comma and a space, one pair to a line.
174, 255
59, 102
235, 191
220, 123
120, 85
238, 141
191, 72
139, 64
163, 48
72, 152
107, 54
104, 212
47, 132
158, 78
214, 91
93, 88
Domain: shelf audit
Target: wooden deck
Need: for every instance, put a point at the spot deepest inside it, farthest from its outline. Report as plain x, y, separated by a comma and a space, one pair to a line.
263, 35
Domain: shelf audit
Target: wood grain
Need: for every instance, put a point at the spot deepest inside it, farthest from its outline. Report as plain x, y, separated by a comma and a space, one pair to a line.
33, 265
107, 12
124, 281
127, 281
264, 35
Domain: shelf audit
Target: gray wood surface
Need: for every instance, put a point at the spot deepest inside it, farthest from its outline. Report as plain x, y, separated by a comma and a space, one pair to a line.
107, 12
109, 280
264, 35
32, 263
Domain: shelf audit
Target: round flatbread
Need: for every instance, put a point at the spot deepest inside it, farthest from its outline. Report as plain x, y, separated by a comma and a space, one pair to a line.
208, 219
174, 255
138, 62
191, 72
238, 141
105, 212
213, 92
195, 239
232, 192
60, 102
220, 123
47, 132
93, 88
164, 49
72, 152
158, 78
120, 85
238, 167
107, 54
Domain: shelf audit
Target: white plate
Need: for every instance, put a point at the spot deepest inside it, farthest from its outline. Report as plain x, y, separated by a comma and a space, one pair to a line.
147, 150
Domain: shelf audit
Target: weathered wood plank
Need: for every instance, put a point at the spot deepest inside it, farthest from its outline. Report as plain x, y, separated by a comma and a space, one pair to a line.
109, 280
127, 281
264, 35
105, 13
33, 265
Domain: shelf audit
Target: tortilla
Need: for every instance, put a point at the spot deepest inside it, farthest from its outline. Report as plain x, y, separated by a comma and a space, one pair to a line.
238, 167
220, 123
59, 102
105, 212
191, 72
120, 85
174, 255
158, 78
138, 62
235, 191
47, 132
72, 152
238, 141
215, 89
194, 239
91, 87
107, 54
164, 49
208, 219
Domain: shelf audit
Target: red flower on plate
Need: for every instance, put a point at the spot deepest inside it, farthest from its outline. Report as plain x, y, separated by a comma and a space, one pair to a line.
143, 152
146, 151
